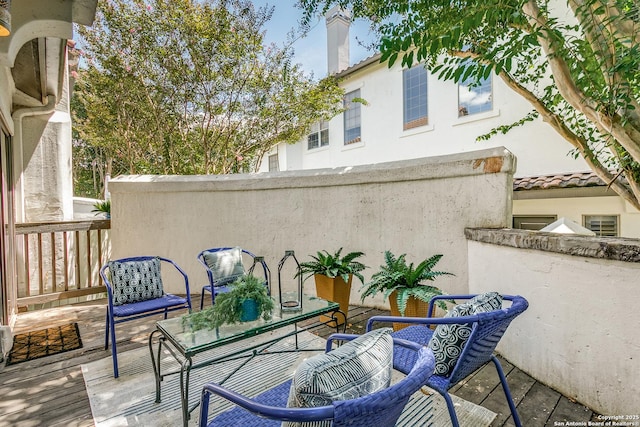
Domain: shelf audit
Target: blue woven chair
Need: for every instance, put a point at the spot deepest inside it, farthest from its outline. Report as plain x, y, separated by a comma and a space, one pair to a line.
218, 285
269, 409
127, 303
486, 331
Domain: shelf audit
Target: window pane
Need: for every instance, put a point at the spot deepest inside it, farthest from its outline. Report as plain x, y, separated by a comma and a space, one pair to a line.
319, 135
274, 165
324, 137
473, 99
312, 141
351, 118
606, 226
415, 97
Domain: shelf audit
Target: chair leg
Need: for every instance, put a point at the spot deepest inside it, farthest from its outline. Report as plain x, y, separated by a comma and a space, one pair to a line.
114, 353
451, 408
202, 299
106, 331
507, 393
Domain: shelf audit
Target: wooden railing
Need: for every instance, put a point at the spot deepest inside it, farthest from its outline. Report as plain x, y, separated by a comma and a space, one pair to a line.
60, 260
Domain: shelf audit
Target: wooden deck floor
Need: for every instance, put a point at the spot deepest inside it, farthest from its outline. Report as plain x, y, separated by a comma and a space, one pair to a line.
51, 392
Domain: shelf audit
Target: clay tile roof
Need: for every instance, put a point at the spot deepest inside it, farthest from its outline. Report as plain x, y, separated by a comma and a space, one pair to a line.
568, 180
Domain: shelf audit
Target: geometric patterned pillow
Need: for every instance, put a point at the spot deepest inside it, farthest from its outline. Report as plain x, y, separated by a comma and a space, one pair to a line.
448, 341
354, 369
135, 281
226, 266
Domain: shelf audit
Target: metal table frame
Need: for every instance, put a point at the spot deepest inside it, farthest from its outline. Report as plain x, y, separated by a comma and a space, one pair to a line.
184, 355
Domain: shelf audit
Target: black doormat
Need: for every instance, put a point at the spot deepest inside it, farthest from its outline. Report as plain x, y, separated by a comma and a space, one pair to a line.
45, 342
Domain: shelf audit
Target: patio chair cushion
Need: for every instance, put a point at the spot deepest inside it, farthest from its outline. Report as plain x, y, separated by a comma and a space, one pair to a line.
135, 281
448, 340
355, 369
226, 266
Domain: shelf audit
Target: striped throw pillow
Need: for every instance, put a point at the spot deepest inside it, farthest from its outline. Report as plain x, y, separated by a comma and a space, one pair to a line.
355, 369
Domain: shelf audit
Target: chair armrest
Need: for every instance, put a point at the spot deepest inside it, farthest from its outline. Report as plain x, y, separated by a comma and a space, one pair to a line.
181, 271
421, 320
338, 337
272, 412
107, 283
463, 297
348, 337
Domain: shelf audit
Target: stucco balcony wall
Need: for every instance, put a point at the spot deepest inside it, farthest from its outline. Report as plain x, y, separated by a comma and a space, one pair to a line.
419, 207
580, 333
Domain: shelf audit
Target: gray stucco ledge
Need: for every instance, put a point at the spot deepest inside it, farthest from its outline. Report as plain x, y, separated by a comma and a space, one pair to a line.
608, 248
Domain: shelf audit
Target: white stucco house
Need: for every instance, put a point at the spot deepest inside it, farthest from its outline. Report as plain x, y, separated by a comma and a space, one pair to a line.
408, 113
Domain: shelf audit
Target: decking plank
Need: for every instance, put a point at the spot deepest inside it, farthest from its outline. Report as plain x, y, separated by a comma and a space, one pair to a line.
519, 383
50, 391
566, 410
537, 405
479, 385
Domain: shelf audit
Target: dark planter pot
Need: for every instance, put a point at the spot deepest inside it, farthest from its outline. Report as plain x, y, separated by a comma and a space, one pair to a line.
249, 310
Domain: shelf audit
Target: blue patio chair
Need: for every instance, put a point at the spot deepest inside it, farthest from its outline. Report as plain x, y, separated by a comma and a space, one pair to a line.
135, 290
484, 331
225, 265
378, 409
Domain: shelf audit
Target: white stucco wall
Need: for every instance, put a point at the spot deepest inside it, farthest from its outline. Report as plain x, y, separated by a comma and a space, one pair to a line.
537, 146
580, 333
418, 207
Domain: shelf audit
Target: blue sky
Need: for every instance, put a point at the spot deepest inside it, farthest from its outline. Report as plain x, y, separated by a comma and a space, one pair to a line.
311, 51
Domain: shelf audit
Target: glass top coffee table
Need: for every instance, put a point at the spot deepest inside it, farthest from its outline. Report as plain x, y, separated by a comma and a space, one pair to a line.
183, 343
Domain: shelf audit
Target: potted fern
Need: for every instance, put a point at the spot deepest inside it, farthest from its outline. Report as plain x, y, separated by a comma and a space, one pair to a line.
405, 285
246, 301
333, 275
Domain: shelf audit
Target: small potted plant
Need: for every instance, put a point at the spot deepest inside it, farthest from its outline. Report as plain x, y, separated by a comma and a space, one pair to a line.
103, 206
246, 301
405, 285
333, 274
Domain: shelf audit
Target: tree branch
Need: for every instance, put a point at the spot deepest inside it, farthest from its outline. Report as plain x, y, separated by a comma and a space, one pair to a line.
557, 123
624, 132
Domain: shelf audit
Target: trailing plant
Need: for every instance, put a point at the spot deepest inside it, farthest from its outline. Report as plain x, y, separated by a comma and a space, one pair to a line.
228, 305
406, 280
103, 206
333, 265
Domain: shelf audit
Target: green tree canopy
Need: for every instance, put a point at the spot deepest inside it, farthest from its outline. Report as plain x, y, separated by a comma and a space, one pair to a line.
576, 61
189, 87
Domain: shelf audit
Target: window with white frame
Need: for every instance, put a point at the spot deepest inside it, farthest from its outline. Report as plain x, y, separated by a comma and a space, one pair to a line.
319, 135
602, 225
414, 88
475, 97
274, 163
352, 118
532, 222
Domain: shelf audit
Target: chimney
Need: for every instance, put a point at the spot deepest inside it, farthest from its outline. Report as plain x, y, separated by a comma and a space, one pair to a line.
338, 22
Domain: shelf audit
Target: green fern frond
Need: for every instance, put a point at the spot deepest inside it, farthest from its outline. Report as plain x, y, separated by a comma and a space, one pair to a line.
333, 265
396, 275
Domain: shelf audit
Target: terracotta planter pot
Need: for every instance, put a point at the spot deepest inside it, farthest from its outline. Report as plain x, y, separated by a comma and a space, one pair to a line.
415, 308
334, 289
